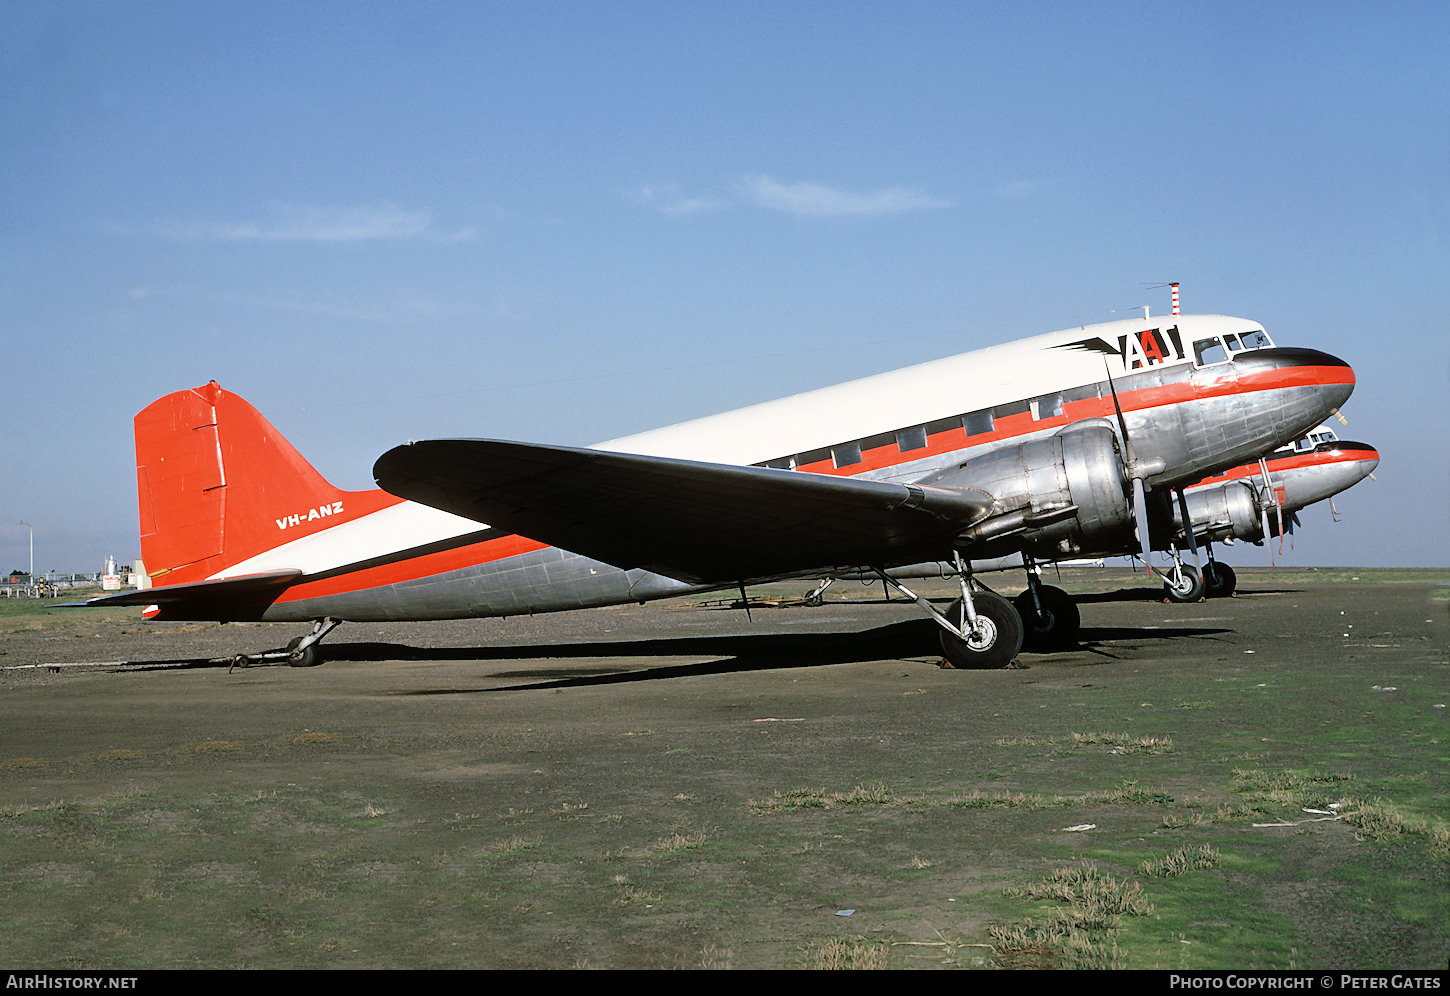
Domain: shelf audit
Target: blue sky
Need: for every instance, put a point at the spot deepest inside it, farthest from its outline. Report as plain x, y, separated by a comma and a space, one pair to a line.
565, 222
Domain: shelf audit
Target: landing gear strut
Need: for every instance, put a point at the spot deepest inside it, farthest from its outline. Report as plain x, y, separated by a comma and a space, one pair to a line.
1182, 583
980, 630
1220, 579
992, 643
302, 651
1050, 618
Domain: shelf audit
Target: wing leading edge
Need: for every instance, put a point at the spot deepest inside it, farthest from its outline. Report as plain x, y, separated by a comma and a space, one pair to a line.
702, 523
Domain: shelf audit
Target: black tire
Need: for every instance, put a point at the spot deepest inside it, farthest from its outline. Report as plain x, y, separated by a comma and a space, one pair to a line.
1219, 579
1058, 625
1001, 639
1190, 590
311, 657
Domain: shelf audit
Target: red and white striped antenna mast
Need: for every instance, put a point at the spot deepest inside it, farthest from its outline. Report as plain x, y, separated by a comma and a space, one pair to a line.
1174, 285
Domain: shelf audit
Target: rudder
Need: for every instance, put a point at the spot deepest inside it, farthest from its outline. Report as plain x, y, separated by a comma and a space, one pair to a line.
217, 484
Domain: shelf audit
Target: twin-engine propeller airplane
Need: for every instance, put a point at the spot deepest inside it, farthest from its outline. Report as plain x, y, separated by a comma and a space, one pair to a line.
1048, 446
1224, 507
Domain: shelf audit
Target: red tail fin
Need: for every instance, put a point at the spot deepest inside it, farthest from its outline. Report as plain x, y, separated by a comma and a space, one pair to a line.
217, 484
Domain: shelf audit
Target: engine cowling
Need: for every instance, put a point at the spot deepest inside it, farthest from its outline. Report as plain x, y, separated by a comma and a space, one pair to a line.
1227, 512
1034, 484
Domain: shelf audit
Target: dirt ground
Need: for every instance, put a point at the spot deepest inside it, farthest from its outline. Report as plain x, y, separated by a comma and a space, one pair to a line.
613, 788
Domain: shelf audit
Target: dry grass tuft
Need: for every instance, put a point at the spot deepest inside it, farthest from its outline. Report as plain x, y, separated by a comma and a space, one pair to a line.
1380, 820
1080, 934
677, 842
995, 800
1124, 743
845, 953
1085, 887
10, 812
862, 795
715, 959
514, 843
118, 754
1179, 862
1130, 793
23, 762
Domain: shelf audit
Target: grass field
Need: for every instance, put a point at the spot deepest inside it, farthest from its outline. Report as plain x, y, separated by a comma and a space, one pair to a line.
1214, 810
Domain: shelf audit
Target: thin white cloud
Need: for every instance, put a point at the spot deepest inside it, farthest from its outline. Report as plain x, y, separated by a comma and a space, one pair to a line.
320, 224
667, 199
820, 201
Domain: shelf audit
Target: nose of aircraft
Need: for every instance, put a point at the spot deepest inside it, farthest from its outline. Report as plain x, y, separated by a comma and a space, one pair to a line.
1364, 457
1332, 378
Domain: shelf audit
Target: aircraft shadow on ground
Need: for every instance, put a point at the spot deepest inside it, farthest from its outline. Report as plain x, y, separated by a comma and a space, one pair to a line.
1156, 594
910, 640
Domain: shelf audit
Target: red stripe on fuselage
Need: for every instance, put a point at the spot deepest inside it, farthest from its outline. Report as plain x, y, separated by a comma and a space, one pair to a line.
1006, 427
1294, 461
1140, 399
413, 568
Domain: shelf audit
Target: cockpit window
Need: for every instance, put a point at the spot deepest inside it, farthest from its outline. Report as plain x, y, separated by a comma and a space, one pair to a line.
1314, 440
1207, 352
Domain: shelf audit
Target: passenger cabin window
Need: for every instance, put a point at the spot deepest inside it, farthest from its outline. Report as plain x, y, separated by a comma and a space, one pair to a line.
911, 439
846, 454
978, 423
1047, 407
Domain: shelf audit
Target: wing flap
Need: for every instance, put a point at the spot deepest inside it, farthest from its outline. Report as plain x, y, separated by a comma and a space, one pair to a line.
699, 522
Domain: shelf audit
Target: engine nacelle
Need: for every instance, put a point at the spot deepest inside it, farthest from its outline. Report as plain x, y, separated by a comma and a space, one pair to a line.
1034, 483
1230, 511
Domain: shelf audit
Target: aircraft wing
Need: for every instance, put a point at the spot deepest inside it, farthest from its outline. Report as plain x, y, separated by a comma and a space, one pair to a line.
702, 523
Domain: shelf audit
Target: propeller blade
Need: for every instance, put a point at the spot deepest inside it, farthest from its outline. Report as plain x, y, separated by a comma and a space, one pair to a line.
1140, 517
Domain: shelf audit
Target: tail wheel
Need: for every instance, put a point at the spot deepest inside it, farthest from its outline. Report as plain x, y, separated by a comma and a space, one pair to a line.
1186, 586
1055, 627
1220, 579
995, 643
310, 657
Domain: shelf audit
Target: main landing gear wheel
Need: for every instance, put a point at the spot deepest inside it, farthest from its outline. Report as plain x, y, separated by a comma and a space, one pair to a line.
1220, 579
310, 657
1183, 586
1056, 627
997, 640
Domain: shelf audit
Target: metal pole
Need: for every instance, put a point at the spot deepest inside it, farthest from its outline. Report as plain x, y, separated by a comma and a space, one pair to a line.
32, 548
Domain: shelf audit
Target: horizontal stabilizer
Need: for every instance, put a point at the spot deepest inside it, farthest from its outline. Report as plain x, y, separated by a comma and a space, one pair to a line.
702, 523
247, 589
